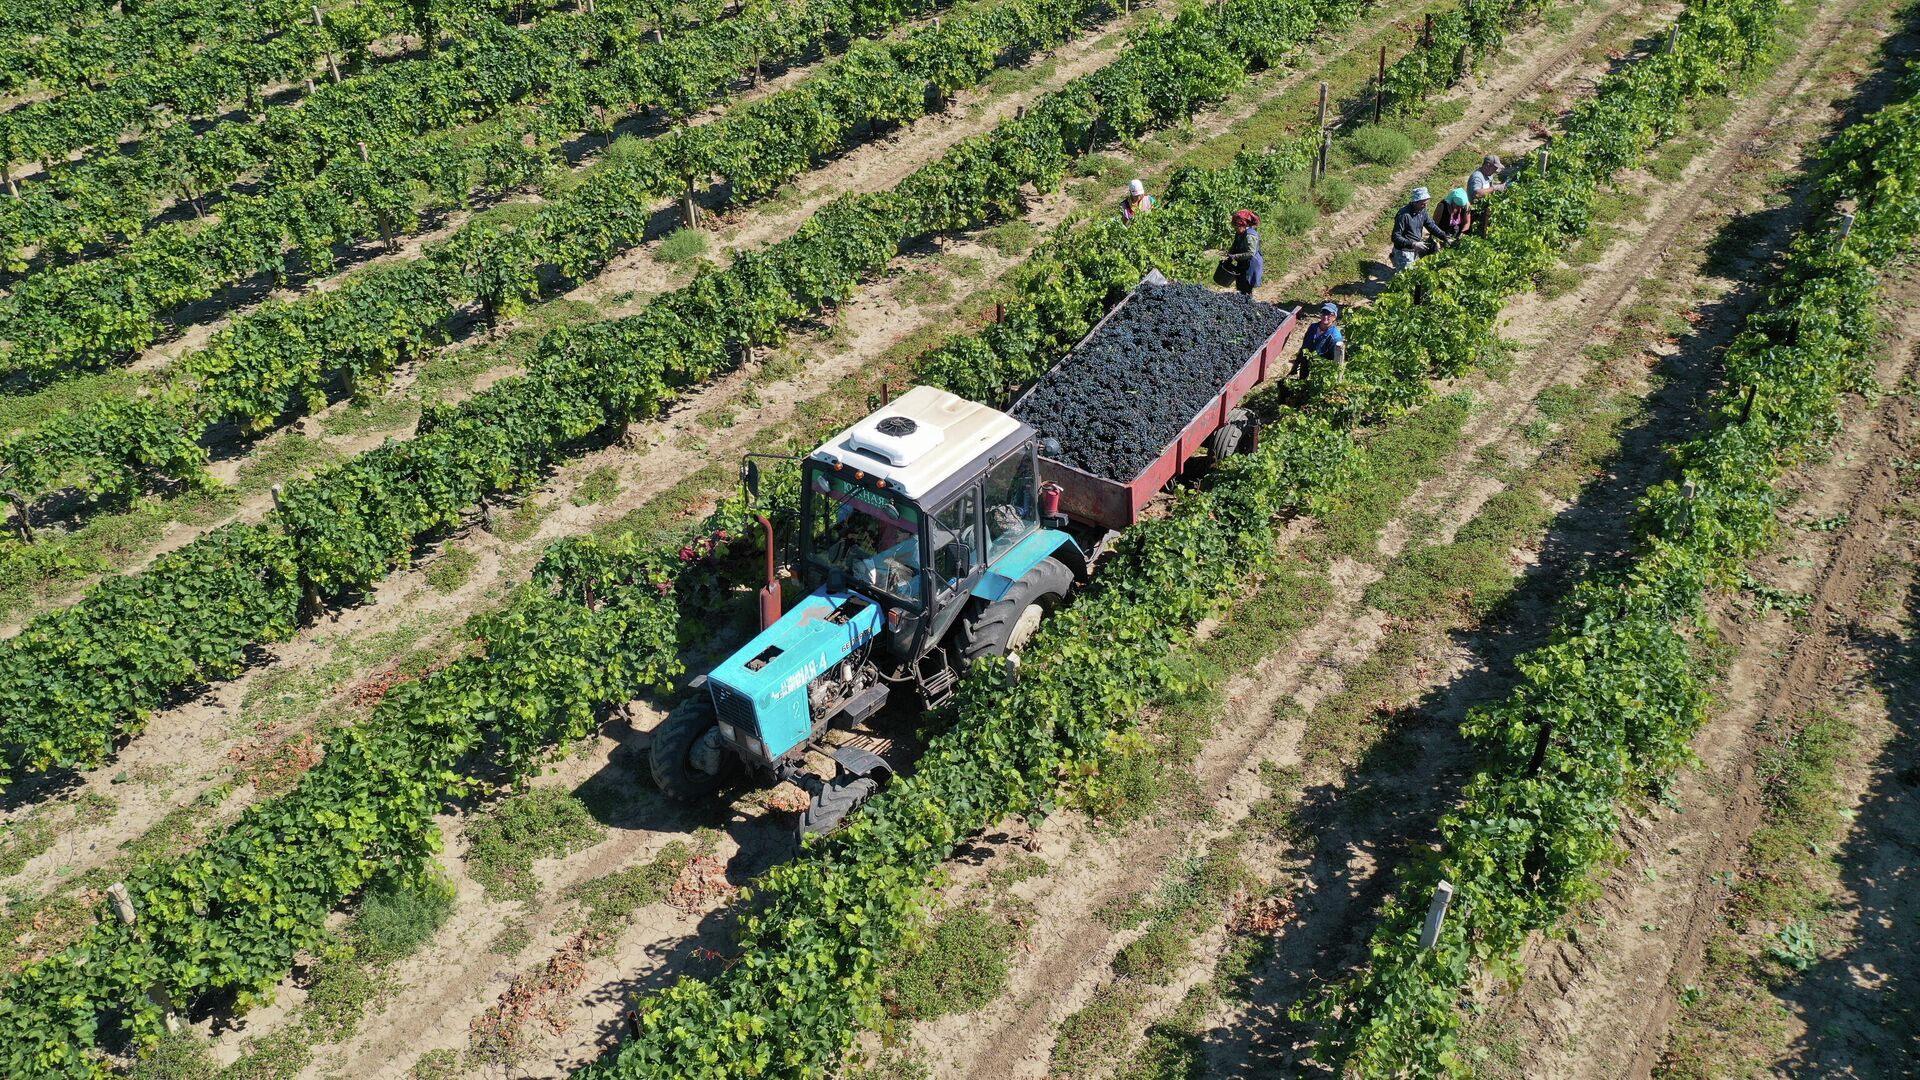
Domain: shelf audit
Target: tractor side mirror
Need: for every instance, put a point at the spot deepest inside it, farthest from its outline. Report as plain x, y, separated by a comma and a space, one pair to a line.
750, 478
953, 561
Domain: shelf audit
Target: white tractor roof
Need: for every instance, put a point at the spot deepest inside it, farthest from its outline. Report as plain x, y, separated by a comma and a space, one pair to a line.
924, 437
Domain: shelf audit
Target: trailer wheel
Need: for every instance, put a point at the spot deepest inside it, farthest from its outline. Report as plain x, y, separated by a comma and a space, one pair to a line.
1008, 624
1233, 437
686, 756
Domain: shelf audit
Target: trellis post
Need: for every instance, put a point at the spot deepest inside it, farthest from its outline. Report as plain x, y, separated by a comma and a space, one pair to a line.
332, 67
122, 903
1380, 86
1436, 914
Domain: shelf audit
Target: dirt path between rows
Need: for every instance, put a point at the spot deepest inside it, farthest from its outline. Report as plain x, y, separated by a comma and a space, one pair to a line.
1599, 1007
1069, 948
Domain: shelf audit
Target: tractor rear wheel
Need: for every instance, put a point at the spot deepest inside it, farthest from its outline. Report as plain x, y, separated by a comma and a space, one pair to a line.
1009, 623
688, 762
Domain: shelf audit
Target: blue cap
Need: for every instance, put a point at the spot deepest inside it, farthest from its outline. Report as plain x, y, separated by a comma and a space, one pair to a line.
1330, 308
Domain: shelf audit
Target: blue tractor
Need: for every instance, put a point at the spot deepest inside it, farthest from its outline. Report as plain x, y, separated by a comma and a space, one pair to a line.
929, 544
932, 536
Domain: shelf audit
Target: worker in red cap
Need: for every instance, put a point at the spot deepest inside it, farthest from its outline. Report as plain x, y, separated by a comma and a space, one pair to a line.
1242, 266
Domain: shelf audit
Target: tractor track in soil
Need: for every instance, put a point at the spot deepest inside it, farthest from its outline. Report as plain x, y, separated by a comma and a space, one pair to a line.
1068, 948
1662, 903
465, 965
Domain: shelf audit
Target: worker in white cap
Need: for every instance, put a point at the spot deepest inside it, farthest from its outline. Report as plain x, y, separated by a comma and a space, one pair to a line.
1415, 233
1137, 202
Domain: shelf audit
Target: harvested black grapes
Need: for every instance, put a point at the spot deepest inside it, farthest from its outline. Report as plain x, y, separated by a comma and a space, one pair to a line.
1118, 400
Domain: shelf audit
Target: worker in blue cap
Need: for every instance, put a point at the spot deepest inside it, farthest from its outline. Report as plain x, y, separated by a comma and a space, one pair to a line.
1323, 339
1415, 233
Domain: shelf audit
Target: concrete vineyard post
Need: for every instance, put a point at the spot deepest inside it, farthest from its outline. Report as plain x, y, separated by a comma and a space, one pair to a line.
332, 68
122, 903
1436, 914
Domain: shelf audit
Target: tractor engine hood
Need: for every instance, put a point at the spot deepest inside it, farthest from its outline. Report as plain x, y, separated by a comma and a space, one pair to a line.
760, 692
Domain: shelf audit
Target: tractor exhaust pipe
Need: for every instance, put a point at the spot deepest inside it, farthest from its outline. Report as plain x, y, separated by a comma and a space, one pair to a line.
770, 592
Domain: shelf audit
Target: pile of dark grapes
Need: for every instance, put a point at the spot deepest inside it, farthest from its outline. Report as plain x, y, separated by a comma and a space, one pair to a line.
1116, 402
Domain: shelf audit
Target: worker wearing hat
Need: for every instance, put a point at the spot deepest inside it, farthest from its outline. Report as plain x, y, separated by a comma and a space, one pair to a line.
1323, 339
1486, 179
1415, 233
1136, 203
1455, 215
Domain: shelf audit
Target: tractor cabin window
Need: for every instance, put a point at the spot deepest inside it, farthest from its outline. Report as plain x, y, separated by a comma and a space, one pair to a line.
1011, 513
956, 547
871, 536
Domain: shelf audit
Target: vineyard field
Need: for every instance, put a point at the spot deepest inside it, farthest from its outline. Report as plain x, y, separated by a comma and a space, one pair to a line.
405, 406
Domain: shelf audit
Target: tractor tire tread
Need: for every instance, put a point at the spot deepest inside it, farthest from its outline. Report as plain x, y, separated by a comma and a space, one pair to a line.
987, 632
836, 801
673, 741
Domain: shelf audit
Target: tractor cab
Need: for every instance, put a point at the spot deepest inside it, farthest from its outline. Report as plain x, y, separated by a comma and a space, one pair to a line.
925, 546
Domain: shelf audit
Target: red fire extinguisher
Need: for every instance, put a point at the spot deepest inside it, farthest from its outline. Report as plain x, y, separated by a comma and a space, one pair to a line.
1049, 500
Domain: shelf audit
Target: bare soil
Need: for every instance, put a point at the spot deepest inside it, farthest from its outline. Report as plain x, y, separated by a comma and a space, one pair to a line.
1600, 1005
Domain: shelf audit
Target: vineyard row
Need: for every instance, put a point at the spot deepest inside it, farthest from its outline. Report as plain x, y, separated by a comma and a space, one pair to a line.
73, 681
600, 628
145, 38
365, 160
1609, 705
171, 81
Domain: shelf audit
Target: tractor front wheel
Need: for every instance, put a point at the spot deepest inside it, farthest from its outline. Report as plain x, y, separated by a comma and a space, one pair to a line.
1008, 624
688, 761
829, 809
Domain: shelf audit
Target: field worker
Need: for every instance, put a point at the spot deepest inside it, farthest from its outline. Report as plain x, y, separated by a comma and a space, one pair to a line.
1322, 339
1242, 267
1485, 180
1415, 233
1137, 202
1455, 215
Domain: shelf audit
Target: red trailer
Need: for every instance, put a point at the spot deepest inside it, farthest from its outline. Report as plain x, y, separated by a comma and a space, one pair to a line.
1116, 503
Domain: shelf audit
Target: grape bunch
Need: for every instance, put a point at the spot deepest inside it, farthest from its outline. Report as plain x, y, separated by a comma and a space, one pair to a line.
1122, 396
